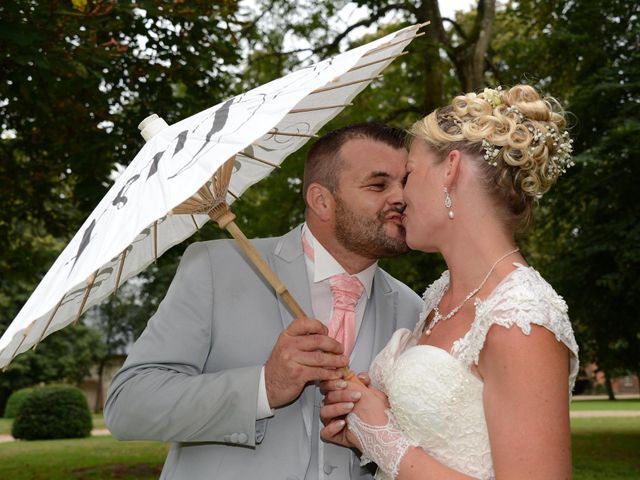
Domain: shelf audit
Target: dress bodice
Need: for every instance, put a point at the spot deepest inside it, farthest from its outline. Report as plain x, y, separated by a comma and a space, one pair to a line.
435, 397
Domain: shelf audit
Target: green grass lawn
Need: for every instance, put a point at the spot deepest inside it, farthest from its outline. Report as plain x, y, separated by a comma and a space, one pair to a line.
623, 404
606, 448
603, 449
83, 459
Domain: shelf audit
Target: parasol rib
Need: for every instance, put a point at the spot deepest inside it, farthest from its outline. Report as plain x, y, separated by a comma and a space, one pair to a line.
314, 109
46, 327
25, 334
258, 159
380, 60
362, 80
155, 241
291, 134
393, 44
123, 256
91, 280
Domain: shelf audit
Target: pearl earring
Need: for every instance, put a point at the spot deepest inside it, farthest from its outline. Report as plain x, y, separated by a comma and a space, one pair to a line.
448, 203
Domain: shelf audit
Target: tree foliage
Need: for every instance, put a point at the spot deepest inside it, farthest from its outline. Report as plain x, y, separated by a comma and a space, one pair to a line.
587, 232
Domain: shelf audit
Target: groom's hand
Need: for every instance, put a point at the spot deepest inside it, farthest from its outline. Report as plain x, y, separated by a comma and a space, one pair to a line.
303, 353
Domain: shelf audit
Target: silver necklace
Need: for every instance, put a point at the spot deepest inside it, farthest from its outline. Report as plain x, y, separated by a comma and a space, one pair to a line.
437, 316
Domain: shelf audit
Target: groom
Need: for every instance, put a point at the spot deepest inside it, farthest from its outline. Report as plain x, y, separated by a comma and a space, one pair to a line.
225, 373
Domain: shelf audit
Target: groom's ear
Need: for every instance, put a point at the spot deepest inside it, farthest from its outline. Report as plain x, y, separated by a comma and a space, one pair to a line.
321, 202
452, 168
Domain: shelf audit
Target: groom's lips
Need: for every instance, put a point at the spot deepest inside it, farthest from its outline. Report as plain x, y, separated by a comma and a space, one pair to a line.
395, 217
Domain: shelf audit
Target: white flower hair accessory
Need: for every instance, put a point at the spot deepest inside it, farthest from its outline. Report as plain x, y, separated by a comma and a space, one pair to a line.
493, 96
560, 161
491, 153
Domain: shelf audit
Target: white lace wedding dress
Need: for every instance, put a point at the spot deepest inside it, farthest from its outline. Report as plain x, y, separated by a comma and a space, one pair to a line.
436, 399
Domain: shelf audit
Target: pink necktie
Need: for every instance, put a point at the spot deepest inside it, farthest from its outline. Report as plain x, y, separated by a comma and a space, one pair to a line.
346, 291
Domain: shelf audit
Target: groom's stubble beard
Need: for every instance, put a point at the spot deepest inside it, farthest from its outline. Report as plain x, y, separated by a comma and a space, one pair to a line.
367, 235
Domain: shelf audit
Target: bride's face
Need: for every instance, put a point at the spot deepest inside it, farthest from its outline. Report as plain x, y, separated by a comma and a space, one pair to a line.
424, 197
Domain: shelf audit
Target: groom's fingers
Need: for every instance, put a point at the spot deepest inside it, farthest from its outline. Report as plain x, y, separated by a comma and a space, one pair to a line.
306, 326
321, 359
323, 343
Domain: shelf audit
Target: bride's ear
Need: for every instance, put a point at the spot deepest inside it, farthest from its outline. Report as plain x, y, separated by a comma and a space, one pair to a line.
452, 169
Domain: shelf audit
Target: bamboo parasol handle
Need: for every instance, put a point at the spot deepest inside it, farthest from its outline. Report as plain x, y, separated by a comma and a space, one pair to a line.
255, 257
226, 222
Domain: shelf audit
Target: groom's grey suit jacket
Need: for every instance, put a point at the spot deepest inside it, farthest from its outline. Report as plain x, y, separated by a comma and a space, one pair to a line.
192, 377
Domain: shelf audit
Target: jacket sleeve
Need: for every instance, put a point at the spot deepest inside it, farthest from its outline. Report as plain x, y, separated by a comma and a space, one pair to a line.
161, 392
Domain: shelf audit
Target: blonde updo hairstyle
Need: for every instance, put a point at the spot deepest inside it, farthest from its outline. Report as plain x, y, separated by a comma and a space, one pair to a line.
524, 154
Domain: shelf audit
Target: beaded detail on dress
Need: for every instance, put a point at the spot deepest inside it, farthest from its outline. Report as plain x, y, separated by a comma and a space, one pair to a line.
435, 397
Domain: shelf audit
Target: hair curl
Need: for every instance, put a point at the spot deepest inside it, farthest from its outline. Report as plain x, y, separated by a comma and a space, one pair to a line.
524, 133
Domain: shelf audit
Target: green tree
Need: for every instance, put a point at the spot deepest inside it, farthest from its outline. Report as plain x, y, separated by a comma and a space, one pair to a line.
78, 76
586, 239
67, 355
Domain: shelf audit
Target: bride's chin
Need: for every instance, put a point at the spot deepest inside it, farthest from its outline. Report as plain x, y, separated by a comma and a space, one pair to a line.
417, 242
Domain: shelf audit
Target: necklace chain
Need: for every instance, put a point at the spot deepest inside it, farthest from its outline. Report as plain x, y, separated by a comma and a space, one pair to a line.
437, 316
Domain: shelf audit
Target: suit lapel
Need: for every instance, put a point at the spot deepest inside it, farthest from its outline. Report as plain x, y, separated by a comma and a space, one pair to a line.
385, 299
378, 323
289, 264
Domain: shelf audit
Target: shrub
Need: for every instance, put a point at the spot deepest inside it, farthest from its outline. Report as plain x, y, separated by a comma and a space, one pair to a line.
55, 411
15, 400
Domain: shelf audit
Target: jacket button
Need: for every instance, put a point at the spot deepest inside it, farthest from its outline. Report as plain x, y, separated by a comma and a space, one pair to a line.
242, 438
226, 438
234, 438
328, 468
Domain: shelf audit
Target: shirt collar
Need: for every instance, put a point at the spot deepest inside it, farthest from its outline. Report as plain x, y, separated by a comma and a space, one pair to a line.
326, 266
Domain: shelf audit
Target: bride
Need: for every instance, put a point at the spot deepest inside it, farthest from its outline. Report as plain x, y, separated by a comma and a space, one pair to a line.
481, 387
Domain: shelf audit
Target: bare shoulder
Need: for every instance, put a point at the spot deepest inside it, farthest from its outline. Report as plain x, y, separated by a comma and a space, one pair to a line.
513, 357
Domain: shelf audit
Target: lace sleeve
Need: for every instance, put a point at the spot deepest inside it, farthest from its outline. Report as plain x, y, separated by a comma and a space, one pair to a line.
523, 299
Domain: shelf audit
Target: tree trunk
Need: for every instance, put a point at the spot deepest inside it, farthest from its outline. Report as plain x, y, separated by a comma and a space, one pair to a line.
469, 55
97, 407
435, 38
609, 386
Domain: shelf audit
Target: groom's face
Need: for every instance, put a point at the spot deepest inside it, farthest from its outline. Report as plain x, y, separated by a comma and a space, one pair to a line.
369, 202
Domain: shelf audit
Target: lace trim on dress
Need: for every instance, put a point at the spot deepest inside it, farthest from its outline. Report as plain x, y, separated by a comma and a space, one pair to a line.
383, 444
522, 298
432, 295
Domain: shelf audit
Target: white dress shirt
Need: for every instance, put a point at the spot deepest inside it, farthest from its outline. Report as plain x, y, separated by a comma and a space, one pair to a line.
319, 271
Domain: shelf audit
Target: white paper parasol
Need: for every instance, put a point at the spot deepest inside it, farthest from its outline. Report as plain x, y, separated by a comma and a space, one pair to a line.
138, 218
